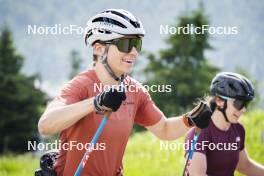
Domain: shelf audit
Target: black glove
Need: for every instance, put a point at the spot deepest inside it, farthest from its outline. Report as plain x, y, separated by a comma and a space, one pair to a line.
47, 162
200, 116
109, 100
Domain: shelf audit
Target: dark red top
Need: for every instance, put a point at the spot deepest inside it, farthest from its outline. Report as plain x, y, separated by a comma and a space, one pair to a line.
221, 148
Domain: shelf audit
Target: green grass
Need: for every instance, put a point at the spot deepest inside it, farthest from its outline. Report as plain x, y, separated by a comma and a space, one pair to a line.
143, 155
21, 165
254, 125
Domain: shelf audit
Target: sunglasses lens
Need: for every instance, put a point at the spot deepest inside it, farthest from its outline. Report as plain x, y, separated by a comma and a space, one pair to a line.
136, 42
246, 103
123, 45
239, 104
126, 44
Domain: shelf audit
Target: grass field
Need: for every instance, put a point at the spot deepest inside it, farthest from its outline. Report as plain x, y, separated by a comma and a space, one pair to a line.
143, 154
144, 157
22, 165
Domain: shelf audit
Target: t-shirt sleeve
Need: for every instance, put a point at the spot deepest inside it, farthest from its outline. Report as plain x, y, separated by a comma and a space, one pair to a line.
242, 133
72, 92
147, 112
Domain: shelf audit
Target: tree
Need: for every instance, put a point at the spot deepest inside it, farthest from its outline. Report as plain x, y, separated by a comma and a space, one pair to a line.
20, 101
75, 63
182, 65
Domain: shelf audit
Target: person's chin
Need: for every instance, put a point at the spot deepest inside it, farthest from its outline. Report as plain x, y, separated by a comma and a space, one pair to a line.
235, 122
128, 70
235, 119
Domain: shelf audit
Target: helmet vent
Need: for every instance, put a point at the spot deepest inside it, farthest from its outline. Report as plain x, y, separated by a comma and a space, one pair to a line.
89, 33
232, 87
109, 20
134, 23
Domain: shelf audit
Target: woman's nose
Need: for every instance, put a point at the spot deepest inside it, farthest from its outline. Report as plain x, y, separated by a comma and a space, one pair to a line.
134, 52
244, 109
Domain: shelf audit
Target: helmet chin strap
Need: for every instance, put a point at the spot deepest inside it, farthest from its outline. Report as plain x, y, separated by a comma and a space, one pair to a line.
108, 68
223, 110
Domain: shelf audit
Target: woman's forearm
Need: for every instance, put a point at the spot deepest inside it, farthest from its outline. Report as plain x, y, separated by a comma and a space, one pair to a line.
58, 118
174, 128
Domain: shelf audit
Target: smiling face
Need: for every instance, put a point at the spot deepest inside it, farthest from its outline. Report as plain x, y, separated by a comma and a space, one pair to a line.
121, 62
233, 114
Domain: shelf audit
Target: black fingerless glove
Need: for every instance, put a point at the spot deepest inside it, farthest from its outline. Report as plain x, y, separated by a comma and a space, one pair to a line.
111, 99
200, 116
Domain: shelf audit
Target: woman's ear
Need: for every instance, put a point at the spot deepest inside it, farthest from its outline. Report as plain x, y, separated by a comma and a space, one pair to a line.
219, 102
98, 49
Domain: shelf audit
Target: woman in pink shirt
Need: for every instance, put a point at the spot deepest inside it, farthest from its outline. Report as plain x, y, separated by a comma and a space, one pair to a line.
116, 38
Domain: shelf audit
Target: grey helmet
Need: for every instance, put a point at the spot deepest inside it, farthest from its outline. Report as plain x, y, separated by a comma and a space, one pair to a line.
232, 85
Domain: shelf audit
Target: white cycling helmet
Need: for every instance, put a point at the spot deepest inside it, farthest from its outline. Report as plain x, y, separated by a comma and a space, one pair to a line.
112, 24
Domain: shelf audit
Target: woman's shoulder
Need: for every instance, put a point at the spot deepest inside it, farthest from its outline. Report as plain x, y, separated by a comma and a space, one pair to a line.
203, 132
82, 82
87, 75
84, 78
240, 127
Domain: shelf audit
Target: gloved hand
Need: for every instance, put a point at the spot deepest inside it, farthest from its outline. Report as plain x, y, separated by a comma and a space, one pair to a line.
109, 100
200, 116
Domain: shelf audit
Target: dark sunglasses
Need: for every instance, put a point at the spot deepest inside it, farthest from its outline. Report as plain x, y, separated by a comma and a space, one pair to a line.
238, 104
126, 44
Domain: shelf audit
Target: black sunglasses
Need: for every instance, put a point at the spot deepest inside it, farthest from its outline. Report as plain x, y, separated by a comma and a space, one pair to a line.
239, 104
126, 44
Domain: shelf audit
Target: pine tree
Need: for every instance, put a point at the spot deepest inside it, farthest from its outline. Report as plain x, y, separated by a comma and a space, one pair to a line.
20, 101
182, 65
76, 62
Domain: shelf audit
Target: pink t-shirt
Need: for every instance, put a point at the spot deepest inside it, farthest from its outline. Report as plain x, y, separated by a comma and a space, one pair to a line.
106, 159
